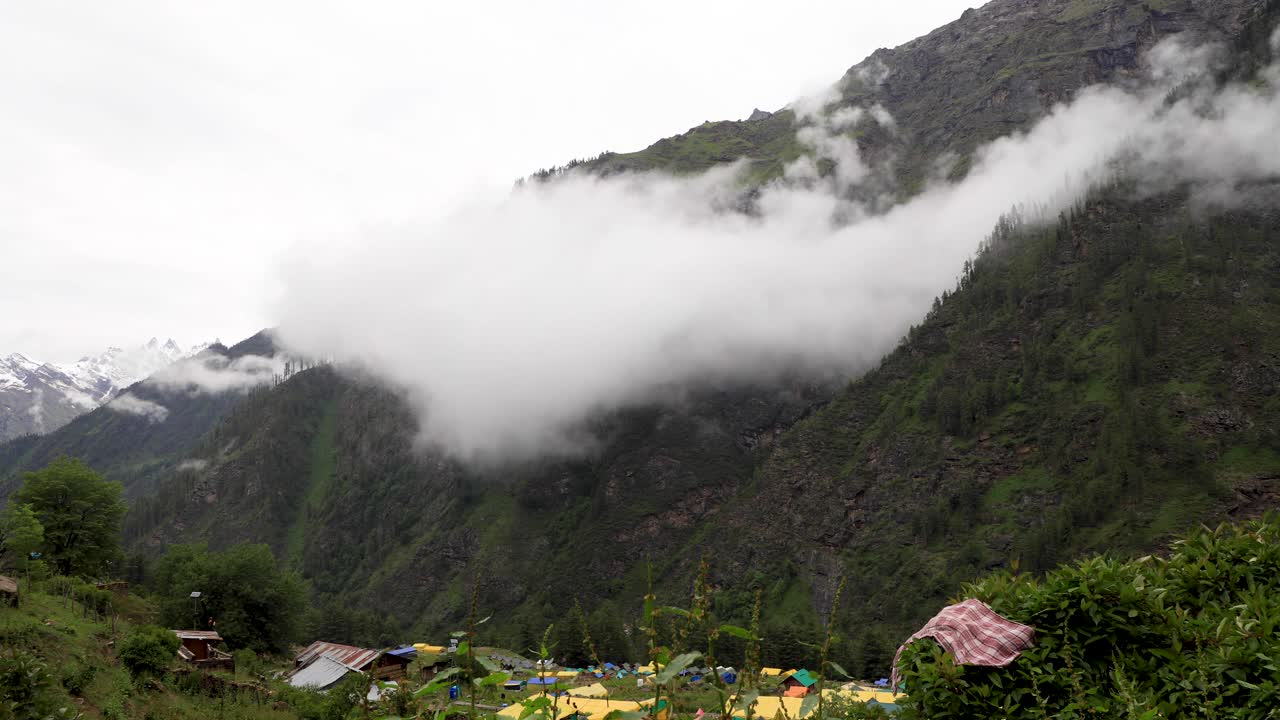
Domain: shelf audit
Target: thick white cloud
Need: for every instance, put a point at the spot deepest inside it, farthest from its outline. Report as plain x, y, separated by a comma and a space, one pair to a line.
160, 157
133, 405
213, 373
514, 318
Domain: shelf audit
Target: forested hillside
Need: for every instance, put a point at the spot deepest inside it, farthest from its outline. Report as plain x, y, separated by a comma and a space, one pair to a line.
1096, 382
130, 447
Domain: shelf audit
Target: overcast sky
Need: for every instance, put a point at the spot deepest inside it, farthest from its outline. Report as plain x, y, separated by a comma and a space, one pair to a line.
157, 159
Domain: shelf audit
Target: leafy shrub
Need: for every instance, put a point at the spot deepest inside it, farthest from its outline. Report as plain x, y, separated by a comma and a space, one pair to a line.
336, 703
839, 708
1191, 635
148, 650
26, 688
75, 678
399, 700
248, 663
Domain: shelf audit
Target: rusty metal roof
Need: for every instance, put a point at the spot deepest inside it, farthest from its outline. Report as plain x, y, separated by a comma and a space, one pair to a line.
198, 635
353, 657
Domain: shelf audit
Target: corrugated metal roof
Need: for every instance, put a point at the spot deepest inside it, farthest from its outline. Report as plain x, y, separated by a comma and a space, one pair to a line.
320, 674
353, 657
198, 635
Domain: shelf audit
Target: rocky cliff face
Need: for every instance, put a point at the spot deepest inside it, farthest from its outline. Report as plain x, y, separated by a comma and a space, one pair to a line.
1001, 67
994, 71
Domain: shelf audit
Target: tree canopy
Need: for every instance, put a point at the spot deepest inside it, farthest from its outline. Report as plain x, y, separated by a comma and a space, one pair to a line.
245, 596
20, 532
80, 512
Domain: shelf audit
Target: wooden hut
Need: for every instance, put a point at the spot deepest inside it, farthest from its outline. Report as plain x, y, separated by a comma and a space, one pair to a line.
8, 591
198, 649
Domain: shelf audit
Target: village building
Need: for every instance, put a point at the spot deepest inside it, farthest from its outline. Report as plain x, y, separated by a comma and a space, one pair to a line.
198, 649
322, 664
8, 591
432, 660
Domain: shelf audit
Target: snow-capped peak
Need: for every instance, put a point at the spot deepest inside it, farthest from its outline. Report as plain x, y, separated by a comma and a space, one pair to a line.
73, 388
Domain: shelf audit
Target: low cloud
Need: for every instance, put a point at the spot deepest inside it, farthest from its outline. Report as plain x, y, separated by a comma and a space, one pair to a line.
193, 465
510, 321
214, 373
133, 405
36, 411
873, 73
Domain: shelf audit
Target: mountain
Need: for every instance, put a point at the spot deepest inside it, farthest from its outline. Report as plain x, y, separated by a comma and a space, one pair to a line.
1094, 383
38, 397
131, 446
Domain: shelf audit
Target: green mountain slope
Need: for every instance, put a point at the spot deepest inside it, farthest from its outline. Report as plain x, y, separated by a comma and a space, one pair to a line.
128, 447
1094, 384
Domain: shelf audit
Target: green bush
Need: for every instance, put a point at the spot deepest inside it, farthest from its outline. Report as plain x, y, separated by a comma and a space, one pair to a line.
149, 650
26, 688
1193, 635
75, 678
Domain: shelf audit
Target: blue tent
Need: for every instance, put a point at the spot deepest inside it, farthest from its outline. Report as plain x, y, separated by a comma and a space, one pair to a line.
610, 666
729, 678
543, 681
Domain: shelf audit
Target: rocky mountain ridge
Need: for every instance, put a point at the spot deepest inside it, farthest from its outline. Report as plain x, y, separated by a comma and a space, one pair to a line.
40, 397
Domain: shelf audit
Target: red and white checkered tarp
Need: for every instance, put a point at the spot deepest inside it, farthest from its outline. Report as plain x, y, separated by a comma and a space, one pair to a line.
974, 634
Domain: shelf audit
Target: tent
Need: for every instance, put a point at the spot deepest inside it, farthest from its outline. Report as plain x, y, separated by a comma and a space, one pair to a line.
798, 682
593, 690
544, 681
770, 707
594, 708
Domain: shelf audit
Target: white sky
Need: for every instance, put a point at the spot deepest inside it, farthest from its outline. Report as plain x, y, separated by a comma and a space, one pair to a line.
158, 159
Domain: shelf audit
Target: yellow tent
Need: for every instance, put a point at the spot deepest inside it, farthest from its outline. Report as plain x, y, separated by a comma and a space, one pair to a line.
771, 706
861, 694
593, 690
772, 672
591, 707
426, 649
568, 674
646, 669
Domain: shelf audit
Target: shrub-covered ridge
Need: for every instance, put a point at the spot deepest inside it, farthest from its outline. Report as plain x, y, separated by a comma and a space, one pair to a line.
1190, 635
